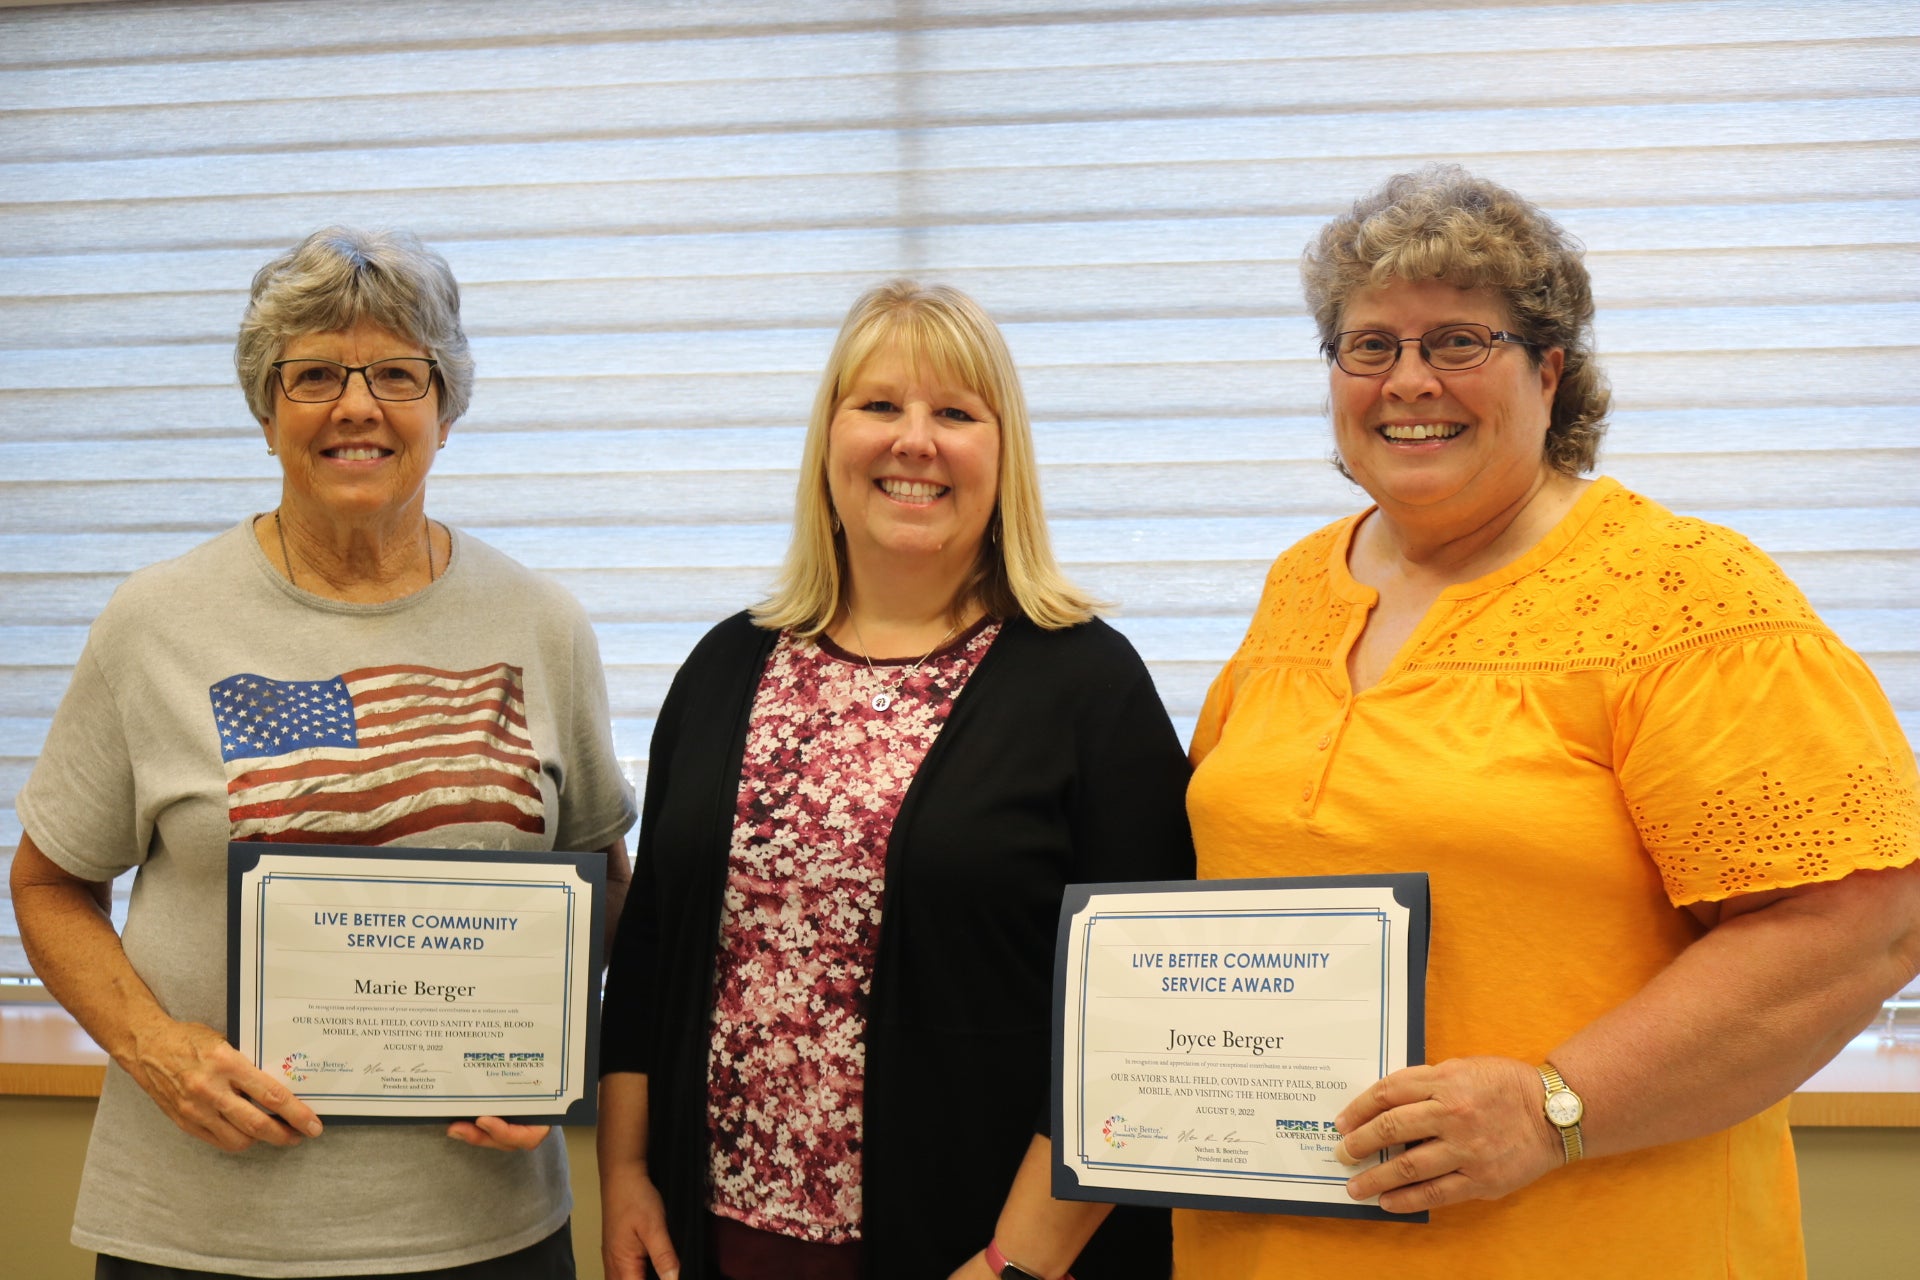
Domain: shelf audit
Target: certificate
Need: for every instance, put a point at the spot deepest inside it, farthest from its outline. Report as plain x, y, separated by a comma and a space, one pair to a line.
418, 984
1206, 1035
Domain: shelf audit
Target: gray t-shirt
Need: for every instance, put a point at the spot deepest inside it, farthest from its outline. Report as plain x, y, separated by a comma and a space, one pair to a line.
163, 749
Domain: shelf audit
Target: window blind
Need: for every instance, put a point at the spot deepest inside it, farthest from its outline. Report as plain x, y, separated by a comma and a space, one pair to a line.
659, 213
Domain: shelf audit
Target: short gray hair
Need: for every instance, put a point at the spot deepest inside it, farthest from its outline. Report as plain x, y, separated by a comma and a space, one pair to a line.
340, 276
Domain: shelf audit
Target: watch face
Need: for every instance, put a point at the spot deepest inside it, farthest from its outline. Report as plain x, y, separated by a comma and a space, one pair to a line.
1564, 1108
1011, 1272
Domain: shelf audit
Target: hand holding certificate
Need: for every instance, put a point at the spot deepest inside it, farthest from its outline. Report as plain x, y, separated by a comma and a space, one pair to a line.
415, 984
1209, 1034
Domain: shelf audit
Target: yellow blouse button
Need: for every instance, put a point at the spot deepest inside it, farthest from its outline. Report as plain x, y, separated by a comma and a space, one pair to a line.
1306, 793
1326, 740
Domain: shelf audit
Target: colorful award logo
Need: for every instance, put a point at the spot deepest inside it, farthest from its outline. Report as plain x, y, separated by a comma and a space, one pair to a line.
1118, 1133
291, 1067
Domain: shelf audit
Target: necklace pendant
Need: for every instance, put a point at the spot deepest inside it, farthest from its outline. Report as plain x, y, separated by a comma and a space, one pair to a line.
881, 701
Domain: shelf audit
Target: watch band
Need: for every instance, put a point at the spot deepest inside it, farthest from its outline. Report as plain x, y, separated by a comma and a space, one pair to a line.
1567, 1121
998, 1264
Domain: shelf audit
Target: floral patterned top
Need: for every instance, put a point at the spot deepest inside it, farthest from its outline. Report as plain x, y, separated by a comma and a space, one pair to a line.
820, 785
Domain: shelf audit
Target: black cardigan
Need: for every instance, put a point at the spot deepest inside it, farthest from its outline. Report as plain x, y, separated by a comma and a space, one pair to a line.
1057, 765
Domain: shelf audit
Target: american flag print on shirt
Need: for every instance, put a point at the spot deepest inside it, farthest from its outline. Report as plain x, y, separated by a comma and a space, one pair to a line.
376, 755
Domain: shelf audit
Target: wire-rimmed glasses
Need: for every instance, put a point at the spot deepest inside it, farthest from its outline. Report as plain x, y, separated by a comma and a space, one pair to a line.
1368, 353
320, 381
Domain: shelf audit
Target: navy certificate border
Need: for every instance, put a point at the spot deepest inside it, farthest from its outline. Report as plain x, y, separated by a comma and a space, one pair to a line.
243, 856
1410, 890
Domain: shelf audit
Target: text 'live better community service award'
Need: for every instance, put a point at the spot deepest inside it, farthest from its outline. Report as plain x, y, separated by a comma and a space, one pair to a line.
419, 984
1206, 1035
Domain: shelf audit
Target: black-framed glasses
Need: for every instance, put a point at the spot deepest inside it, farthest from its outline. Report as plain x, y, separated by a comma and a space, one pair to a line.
1368, 353
319, 381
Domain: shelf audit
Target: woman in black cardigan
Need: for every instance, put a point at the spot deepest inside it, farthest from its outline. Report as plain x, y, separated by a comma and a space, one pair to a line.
826, 1033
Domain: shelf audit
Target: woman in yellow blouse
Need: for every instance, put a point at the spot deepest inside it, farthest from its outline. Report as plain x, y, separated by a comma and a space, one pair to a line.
1670, 820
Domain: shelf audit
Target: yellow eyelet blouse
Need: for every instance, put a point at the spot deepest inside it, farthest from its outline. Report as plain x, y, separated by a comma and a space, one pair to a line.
1641, 712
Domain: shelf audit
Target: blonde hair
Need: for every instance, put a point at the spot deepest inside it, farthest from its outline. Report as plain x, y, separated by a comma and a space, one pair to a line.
1442, 223
941, 329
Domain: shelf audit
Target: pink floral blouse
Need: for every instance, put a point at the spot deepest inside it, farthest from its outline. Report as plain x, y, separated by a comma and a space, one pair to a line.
820, 785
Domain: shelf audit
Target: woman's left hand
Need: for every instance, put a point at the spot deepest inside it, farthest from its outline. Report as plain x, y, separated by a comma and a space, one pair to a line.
496, 1134
1473, 1128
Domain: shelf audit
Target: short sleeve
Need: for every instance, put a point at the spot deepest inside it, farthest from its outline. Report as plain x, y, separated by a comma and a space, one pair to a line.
1762, 763
596, 804
79, 804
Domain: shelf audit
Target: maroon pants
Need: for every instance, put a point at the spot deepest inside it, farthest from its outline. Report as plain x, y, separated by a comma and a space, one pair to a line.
745, 1253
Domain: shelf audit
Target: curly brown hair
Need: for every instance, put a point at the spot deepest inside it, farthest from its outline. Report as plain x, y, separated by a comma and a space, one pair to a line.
1442, 223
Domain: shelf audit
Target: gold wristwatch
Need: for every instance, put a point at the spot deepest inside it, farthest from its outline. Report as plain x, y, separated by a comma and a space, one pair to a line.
1564, 1109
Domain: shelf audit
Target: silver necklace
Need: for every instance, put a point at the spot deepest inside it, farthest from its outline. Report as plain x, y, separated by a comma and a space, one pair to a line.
884, 699
287, 560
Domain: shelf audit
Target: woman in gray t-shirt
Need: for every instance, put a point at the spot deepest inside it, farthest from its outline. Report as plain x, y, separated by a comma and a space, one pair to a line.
172, 741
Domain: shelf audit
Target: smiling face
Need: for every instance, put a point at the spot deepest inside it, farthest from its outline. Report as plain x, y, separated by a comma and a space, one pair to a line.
1461, 444
913, 464
355, 459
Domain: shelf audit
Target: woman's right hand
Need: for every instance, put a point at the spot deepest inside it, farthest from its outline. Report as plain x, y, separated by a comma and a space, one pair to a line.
633, 1225
211, 1091
189, 1070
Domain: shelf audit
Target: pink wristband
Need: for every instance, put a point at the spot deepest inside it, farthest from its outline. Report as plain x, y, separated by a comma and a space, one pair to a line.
997, 1261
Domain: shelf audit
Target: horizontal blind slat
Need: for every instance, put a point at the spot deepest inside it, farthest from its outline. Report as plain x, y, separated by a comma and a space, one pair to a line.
974, 149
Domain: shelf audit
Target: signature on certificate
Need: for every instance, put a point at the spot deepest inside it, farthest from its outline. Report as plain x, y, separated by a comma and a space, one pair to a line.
1231, 1135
